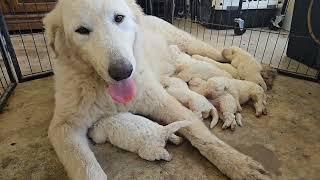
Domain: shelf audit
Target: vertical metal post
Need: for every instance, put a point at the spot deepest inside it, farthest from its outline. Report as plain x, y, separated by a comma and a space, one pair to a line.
9, 47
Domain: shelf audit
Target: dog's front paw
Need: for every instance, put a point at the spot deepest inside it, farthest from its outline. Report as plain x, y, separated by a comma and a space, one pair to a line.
247, 168
240, 166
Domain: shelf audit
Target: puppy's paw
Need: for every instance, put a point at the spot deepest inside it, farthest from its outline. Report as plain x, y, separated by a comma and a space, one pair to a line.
229, 123
231, 120
175, 139
97, 135
163, 154
258, 113
239, 119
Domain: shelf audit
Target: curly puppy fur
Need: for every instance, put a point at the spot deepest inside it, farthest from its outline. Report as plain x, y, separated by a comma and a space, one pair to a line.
192, 100
188, 68
248, 68
225, 66
137, 134
222, 99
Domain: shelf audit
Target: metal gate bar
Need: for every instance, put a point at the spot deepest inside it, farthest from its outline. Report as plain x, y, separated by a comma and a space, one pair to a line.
10, 84
30, 51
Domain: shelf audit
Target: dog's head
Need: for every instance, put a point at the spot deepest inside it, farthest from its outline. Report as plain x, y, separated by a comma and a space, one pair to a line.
102, 33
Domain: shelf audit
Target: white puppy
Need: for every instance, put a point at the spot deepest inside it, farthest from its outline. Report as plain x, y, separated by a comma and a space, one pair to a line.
224, 101
242, 91
188, 68
192, 100
248, 68
225, 66
137, 134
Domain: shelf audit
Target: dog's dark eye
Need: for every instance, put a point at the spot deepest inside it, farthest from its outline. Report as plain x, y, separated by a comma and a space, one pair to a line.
83, 30
118, 18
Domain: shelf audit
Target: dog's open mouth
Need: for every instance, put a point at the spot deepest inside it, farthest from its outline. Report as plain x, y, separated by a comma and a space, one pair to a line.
123, 91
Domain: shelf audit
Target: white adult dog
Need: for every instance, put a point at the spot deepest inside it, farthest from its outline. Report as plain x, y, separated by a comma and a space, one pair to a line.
109, 58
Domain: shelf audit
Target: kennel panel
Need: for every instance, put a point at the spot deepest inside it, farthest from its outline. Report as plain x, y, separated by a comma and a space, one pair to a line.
26, 35
7, 77
268, 46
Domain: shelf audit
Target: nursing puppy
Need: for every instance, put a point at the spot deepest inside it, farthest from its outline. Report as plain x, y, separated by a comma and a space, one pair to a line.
192, 100
225, 66
248, 68
226, 104
137, 134
109, 58
188, 68
241, 90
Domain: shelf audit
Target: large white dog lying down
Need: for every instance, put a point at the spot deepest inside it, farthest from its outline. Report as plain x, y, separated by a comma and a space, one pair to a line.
109, 58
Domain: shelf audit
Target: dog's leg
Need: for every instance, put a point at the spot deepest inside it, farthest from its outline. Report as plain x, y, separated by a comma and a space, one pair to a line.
184, 40
231, 162
71, 145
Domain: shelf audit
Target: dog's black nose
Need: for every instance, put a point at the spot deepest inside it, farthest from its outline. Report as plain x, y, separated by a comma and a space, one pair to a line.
120, 70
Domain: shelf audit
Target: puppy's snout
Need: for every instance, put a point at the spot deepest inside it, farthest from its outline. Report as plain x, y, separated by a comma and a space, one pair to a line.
120, 69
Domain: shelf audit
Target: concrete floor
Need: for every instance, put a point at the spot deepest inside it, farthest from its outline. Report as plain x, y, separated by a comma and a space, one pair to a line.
287, 141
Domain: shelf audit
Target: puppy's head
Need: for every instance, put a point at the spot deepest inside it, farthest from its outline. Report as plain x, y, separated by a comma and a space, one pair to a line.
100, 32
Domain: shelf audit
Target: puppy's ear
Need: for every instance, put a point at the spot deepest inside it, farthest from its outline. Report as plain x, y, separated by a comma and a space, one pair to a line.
52, 23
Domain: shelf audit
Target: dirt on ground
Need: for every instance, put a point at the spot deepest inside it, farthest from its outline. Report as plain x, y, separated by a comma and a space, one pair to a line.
286, 141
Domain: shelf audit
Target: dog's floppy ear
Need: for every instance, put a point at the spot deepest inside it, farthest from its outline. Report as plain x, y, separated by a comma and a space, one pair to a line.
52, 23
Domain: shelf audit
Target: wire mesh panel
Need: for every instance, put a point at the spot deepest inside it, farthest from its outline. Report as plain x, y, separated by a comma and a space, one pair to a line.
24, 23
7, 79
253, 25
217, 23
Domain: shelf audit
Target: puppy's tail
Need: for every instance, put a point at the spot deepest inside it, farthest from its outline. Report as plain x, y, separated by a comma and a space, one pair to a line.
175, 126
215, 117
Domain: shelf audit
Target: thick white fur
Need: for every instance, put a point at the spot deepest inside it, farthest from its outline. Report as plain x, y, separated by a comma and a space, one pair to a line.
192, 100
137, 134
188, 68
225, 66
248, 68
81, 78
226, 104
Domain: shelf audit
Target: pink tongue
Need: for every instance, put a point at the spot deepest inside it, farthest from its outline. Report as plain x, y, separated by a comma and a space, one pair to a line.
123, 91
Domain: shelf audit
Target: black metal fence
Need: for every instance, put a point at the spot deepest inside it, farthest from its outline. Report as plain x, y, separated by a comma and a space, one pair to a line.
7, 79
253, 25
